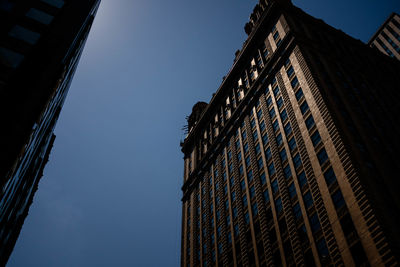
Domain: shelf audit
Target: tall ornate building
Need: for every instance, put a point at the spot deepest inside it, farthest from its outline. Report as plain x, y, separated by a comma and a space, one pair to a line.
387, 38
294, 162
41, 42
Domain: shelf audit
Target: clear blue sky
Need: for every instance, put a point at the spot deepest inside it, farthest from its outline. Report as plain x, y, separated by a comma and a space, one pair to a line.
110, 195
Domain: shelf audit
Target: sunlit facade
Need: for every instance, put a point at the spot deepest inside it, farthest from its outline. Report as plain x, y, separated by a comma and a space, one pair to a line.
40, 45
387, 38
294, 160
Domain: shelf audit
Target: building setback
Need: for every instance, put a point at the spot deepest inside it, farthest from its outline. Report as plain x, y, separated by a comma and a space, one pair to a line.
387, 38
294, 162
41, 42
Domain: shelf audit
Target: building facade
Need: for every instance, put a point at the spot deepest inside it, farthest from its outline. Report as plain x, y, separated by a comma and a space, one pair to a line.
293, 162
387, 38
41, 42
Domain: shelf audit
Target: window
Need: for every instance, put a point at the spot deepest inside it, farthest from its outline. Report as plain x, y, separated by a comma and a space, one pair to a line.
288, 128
297, 160
239, 156
260, 163
39, 16
269, 101
265, 139
230, 168
219, 231
271, 169
247, 218
225, 189
322, 248
54, 3
244, 135
310, 122
322, 156
316, 138
10, 58
279, 102
297, 211
247, 161
268, 153
250, 176
276, 90
254, 208
275, 125
299, 94
245, 200
272, 113
263, 179
233, 196
276, 35
246, 148
314, 223
278, 205
24, 34
255, 136
294, 82
266, 196
258, 149
237, 143
292, 190
308, 201
259, 114
302, 178
229, 155
241, 170
284, 115
232, 181
229, 237
236, 230
304, 107
226, 204
292, 143
290, 71
262, 126
242, 185
330, 176
234, 212
279, 140
338, 199
252, 192
252, 123
287, 172
275, 187
283, 155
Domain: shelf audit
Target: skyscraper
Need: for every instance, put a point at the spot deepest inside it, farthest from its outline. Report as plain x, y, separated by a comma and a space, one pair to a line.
41, 42
387, 38
294, 160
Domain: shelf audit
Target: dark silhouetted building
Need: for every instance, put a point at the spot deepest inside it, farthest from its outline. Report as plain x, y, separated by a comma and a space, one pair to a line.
387, 38
40, 45
294, 162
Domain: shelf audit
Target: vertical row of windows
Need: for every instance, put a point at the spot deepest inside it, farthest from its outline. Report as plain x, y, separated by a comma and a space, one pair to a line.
387, 50
391, 42
8, 55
